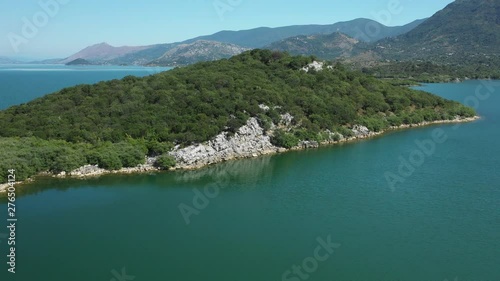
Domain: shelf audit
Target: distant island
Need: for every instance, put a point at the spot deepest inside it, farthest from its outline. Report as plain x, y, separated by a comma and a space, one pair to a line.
79, 62
255, 103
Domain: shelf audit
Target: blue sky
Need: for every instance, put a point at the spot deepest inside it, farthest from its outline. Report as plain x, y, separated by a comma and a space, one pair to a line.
64, 27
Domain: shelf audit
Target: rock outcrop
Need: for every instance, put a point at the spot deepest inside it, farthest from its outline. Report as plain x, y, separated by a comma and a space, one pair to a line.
361, 131
316, 66
308, 144
3, 187
95, 171
249, 141
286, 120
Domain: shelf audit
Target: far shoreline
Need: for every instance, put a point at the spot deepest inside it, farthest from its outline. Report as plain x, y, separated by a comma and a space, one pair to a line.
146, 168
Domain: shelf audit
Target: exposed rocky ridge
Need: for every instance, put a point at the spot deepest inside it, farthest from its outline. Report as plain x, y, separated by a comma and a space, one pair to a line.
316, 66
249, 141
201, 50
94, 170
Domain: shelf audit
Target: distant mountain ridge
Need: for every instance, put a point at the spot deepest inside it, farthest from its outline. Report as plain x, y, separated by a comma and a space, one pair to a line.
103, 52
227, 43
462, 40
263, 36
145, 56
464, 28
201, 50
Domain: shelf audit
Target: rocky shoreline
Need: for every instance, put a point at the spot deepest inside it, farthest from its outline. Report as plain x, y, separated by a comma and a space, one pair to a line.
248, 142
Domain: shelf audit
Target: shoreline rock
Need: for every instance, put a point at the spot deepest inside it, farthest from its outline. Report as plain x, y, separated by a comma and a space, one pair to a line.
3, 187
249, 141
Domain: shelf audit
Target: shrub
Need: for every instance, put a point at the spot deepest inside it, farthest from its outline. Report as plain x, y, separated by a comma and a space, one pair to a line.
109, 160
284, 139
130, 155
265, 122
156, 148
395, 120
68, 161
374, 124
165, 162
344, 131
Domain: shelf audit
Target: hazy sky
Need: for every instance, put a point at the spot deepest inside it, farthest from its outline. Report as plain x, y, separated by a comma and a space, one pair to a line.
59, 28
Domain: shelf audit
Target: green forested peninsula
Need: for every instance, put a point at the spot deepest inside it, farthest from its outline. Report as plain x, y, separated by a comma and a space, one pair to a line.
115, 124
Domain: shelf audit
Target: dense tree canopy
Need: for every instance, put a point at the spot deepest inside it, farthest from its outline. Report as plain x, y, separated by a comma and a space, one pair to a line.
115, 123
195, 103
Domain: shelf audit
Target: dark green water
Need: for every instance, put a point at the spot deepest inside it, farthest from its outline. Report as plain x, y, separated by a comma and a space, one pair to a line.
442, 223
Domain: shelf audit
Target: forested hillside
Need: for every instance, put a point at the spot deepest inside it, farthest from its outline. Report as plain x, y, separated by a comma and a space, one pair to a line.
329, 47
462, 40
114, 124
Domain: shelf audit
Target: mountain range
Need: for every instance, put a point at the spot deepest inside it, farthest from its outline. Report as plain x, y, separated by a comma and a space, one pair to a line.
464, 28
200, 50
462, 40
263, 36
466, 33
225, 44
103, 52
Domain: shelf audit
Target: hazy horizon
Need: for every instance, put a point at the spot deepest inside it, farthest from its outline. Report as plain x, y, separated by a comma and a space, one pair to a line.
59, 28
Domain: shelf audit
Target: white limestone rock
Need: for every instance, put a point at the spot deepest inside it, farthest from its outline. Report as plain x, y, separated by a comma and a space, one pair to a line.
248, 141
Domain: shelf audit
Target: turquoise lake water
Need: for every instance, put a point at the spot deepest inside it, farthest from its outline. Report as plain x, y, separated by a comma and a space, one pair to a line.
264, 217
20, 83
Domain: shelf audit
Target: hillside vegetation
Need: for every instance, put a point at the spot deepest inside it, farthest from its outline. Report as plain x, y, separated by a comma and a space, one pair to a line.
328, 47
464, 27
114, 124
459, 41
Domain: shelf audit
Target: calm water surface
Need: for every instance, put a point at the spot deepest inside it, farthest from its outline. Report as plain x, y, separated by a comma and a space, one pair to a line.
22, 83
442, 223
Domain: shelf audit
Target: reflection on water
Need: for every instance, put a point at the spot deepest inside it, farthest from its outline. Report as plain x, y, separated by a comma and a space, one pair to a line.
245, 170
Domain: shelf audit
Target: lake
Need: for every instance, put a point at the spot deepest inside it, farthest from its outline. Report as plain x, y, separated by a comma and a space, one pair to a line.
21, 83
325, 214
